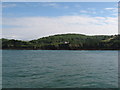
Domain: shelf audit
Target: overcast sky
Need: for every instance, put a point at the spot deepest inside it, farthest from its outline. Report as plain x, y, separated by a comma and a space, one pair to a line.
32, 20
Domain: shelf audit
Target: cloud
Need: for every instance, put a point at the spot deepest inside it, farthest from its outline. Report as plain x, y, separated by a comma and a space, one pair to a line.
54, 5
50, 4
112, 9
6, 5
35, 27
83, 11
89, 11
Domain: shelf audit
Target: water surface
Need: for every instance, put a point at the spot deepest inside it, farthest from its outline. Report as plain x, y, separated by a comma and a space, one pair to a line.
60, 69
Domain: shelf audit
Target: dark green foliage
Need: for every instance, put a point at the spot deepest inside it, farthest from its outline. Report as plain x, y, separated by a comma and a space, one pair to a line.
66, 42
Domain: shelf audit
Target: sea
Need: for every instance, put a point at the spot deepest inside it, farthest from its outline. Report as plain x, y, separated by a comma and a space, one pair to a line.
59, 69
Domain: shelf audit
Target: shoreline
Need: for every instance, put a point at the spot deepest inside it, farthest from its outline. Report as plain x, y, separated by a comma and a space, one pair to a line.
68, 49
64, 42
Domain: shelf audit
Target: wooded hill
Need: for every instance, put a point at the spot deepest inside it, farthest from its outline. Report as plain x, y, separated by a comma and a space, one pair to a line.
65, 42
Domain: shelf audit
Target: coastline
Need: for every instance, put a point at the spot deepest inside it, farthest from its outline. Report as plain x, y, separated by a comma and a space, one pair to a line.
68, 49
64, 42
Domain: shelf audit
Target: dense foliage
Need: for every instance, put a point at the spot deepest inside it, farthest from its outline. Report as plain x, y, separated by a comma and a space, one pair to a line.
66, 42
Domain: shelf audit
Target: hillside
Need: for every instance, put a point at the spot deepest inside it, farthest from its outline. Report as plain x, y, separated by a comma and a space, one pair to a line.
66, 42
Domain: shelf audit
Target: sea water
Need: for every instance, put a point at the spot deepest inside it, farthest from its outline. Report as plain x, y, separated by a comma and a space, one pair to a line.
59, 69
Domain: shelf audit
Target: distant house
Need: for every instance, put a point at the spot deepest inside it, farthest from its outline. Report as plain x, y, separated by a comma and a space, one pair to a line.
66, 42
64, 45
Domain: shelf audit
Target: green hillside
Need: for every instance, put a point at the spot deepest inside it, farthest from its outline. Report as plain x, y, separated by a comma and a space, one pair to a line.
66, 42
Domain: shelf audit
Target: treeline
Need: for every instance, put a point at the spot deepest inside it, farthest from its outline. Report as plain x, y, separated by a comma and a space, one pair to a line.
65, 42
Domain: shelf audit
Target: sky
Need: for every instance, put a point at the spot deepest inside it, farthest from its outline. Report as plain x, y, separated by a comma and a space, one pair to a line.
33, 20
